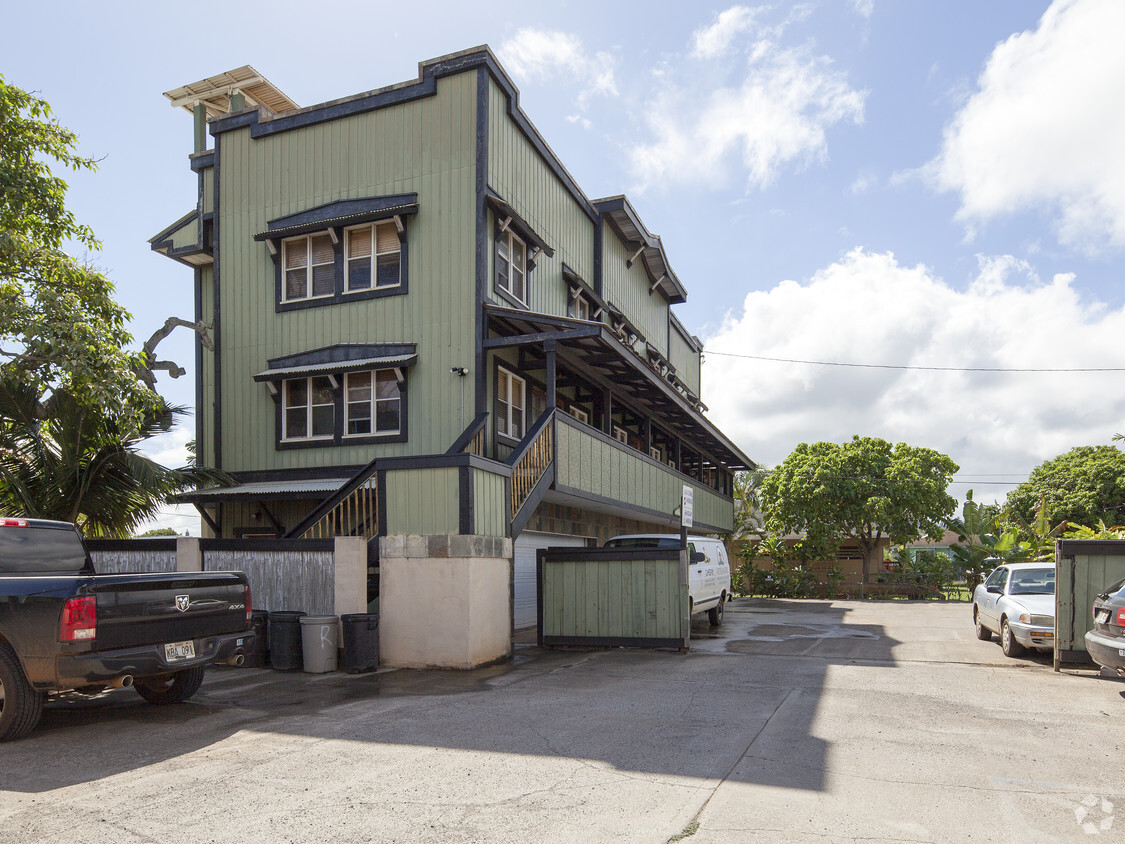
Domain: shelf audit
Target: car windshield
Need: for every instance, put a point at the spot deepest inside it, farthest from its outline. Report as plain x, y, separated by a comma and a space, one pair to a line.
1032, 582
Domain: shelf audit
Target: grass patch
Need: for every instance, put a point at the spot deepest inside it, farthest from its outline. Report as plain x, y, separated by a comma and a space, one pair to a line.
689, 831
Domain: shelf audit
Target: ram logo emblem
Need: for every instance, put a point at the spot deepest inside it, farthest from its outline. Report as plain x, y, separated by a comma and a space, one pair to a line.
183, 602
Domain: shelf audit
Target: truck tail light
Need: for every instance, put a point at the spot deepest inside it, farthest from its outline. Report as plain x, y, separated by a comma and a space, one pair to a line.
13, 522
249, 610
79, 622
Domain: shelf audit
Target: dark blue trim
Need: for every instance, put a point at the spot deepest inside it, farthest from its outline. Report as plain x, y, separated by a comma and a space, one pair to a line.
201, 161
480, 384
342, 353
464, 501
216, 320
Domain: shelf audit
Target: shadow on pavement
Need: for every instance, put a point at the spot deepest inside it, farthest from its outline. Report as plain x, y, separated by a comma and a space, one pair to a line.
741, 705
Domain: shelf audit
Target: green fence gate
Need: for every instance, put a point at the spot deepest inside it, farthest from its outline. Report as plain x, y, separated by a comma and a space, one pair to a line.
613, 597
1085, 567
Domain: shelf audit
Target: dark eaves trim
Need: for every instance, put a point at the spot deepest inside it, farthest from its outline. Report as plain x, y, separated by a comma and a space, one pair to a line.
263, 122
690, 338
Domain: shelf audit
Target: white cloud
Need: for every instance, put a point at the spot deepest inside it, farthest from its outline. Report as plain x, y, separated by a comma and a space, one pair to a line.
715, 40
868, 308
536, 54
777, 114
864, 8
1045, 128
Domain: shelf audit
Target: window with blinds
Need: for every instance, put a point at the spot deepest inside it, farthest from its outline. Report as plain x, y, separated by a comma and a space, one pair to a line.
309, 263
364, 271
511, 265
310, 409
510, 396
373, 403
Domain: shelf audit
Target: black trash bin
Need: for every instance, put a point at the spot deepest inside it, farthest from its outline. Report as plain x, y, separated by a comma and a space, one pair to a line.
361, 641
259, 623
285, 640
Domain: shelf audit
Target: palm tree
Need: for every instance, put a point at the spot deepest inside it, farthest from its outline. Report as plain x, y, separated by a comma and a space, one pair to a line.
60, 459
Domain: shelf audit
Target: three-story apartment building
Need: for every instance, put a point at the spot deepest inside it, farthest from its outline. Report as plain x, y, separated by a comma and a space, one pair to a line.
422, 327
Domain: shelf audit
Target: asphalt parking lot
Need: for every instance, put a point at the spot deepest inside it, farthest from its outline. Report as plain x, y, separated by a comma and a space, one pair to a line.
797, 721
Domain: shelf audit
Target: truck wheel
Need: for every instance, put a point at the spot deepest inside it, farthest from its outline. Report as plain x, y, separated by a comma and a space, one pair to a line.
20, 704
715, 614
171, 688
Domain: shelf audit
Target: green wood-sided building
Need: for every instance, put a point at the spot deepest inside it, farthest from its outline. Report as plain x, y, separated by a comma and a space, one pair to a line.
421, 326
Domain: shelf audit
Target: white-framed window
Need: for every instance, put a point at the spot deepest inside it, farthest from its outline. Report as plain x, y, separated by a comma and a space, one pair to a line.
578, 308
309, 263
620, 434
579, 414
511, 395
366, 271
511, 265
309, 412
656, 454
372, 403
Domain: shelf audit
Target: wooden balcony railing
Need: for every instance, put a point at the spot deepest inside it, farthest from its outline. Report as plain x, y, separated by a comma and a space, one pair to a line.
357, 514
531, 462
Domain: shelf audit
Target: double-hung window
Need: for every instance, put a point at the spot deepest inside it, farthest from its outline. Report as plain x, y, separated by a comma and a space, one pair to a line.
579, 308
373, 403
511, 393
511, 265
310, 409
373, 259
309, 263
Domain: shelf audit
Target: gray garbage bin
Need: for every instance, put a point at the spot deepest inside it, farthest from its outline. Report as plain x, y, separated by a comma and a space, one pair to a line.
318, 643
361, 641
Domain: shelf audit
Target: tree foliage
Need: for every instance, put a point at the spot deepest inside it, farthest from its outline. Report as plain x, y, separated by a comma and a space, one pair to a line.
1083, 486
861, 490
83, 464
60, 327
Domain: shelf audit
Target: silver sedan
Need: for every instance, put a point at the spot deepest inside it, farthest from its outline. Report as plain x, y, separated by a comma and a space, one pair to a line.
1017, 601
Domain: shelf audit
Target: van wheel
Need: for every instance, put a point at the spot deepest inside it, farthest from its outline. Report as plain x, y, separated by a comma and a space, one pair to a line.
171, 688
715, 614
20, 705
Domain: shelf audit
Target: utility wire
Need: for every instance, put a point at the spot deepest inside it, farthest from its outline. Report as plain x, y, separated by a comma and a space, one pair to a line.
916, 368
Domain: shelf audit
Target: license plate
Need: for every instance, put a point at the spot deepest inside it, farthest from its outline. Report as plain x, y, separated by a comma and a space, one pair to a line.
1121, 651
176, 651
1101, 616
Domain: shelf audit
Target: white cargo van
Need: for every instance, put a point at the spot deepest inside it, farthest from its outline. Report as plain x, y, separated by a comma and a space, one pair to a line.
708, 568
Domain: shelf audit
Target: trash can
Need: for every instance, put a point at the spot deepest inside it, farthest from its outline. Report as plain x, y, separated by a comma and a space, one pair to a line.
318, 640
258, 655
361, 641
285, 640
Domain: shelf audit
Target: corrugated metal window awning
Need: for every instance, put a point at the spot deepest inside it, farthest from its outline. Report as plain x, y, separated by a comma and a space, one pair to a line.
323, 368
343, 212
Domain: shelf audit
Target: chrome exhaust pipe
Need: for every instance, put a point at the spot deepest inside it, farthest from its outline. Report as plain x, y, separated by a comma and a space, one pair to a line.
237, 660
1120, 672
122, 682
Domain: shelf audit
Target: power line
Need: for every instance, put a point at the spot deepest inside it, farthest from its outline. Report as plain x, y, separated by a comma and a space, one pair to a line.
916, 368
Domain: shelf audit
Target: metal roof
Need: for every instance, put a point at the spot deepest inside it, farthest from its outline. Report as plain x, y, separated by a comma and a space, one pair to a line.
336, 366
298, 488
215, 92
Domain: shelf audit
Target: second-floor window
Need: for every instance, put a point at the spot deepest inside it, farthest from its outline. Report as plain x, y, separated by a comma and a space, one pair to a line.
511, 265
310, 409
578, 308
373, 257
309, 263
511, 392
372, 403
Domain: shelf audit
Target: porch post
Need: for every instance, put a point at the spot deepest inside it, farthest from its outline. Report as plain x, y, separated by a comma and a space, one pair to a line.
549, 348
607, 414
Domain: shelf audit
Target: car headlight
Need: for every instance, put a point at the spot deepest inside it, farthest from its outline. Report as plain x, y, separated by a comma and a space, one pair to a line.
1025, 618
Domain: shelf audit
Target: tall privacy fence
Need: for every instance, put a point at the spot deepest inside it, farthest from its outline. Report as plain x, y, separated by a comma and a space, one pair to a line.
316, 576
1084, 568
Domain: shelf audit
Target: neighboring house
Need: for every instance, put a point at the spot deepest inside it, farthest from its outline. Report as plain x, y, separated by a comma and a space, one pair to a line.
423, 327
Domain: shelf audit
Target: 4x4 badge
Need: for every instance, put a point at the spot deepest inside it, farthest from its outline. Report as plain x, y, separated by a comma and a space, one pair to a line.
183, 602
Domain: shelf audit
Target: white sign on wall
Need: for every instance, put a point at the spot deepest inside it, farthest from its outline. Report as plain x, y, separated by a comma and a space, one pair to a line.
686, 506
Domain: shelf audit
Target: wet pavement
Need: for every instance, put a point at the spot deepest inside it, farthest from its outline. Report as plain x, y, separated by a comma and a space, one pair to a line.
794, 721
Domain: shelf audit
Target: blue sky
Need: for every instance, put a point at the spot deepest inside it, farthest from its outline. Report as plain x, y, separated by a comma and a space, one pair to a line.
932, 184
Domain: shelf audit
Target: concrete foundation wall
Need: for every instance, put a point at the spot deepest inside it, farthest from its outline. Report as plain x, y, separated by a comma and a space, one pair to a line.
444, 601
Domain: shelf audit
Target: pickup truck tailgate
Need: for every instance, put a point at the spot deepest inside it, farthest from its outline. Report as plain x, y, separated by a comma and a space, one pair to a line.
144, 609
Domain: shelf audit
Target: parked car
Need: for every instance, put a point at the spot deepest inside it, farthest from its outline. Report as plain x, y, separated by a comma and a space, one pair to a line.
1106, 642
708, 568
65, 628
1017, 601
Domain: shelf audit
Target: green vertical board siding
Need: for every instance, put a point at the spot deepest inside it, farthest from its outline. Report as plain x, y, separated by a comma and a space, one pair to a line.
627, 289
609, 469
685, 358
520, 175
208, 189
424, 146
1076, 586
490, 503
422, 501
613, 599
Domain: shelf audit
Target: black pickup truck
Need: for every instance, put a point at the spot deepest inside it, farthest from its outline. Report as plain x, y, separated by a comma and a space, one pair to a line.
64, 628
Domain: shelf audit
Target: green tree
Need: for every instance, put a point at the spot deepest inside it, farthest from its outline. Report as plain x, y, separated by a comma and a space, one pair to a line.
861, 490
1083, 486
60, 327
83, 464
157, 532
749, 520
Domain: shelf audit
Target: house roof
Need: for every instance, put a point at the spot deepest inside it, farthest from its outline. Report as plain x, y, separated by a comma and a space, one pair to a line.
215, 92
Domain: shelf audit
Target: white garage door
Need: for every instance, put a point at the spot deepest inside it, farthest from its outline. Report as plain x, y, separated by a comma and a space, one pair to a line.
526, 545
